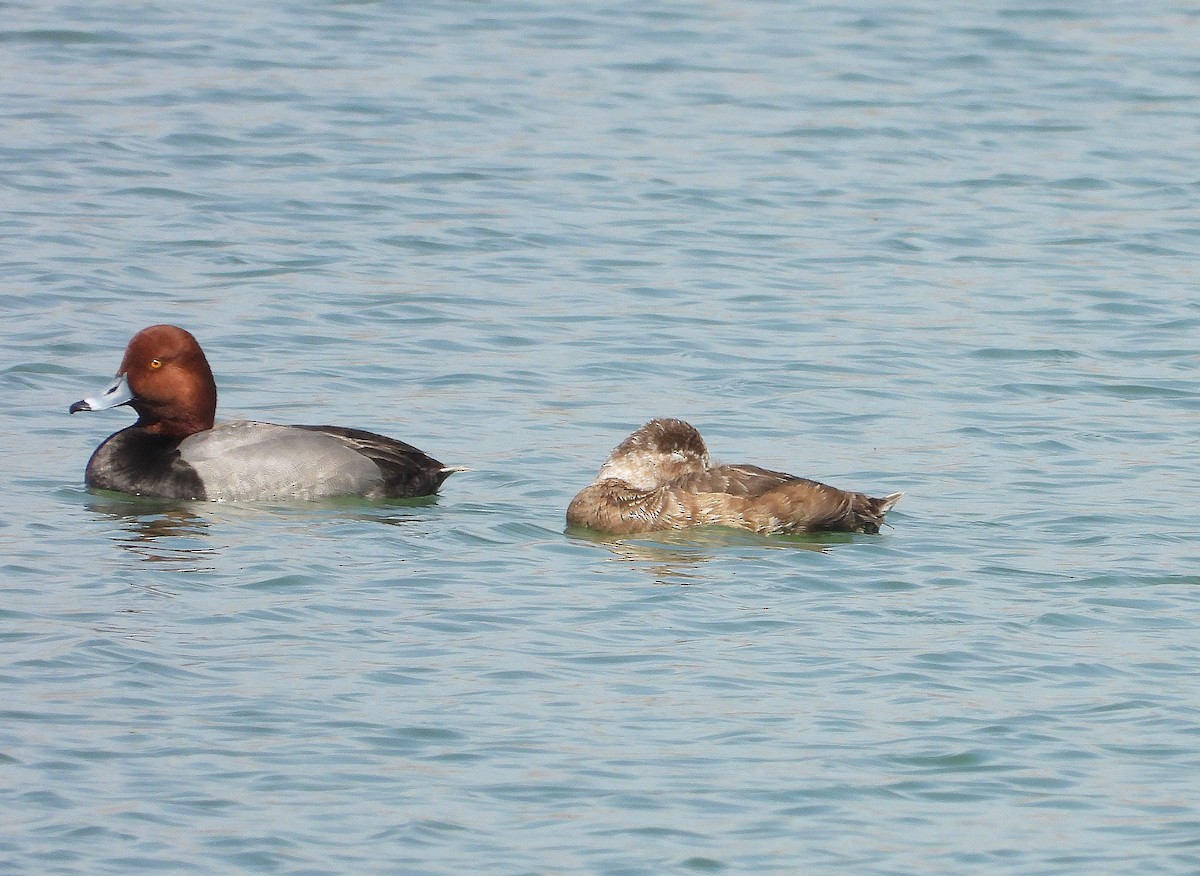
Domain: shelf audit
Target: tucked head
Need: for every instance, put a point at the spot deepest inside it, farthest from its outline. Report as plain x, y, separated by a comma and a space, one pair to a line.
656, 454
166, 379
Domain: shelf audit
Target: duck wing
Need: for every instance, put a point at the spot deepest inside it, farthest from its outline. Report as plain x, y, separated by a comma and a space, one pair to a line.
406, 471
772, 501
744, 481
809, 506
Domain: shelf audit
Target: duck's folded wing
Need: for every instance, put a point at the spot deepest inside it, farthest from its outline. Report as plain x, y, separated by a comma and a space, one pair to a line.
809, 506
744, 481
251, 461
406, 470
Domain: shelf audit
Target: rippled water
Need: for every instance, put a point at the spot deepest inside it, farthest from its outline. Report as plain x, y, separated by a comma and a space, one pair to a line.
950, 250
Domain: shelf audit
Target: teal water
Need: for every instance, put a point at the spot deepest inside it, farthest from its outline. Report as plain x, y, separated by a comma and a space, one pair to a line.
899, 246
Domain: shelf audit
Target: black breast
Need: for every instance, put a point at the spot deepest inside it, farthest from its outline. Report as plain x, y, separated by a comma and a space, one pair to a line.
135, 461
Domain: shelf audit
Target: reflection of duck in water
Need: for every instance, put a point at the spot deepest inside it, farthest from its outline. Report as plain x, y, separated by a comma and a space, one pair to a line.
676, 556
660, 477
158, 530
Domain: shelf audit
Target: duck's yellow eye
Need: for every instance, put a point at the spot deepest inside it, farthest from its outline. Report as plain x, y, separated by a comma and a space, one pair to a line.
156, 363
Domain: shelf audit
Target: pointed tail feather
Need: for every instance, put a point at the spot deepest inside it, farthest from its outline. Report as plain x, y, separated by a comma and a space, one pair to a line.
868, 515
887, 503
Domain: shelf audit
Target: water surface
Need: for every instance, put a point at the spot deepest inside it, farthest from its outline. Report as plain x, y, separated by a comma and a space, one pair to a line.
895, 247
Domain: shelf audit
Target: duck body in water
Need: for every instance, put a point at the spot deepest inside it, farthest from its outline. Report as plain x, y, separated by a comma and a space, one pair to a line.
176, 451
661, 477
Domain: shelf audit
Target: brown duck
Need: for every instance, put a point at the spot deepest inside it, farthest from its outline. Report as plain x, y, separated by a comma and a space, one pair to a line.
661, 477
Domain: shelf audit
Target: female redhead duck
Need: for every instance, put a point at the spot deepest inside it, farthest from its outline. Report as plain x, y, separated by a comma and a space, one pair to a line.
174, 450
661, 477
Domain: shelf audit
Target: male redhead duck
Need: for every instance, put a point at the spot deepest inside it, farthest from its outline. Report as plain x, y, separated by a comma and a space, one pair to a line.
174, 451
661, 477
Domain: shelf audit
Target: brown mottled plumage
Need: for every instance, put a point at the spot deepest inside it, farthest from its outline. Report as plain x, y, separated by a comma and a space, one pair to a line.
661, 477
